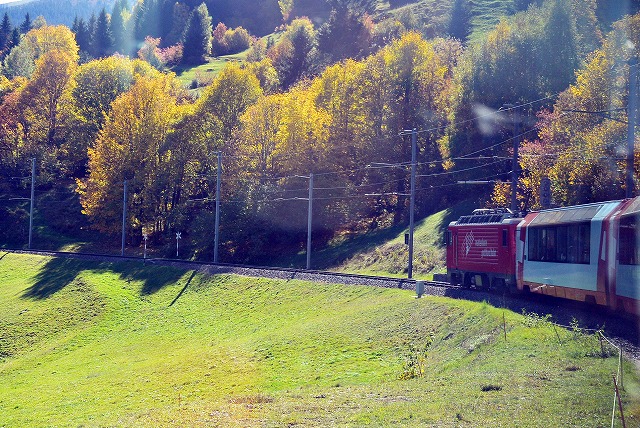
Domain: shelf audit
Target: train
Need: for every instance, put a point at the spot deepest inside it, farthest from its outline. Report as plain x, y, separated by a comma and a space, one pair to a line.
588, 253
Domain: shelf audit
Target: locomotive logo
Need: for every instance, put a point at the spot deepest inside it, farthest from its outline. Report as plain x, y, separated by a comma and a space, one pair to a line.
468, 242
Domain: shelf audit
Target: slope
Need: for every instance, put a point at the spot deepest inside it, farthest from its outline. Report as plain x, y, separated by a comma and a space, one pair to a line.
123, 344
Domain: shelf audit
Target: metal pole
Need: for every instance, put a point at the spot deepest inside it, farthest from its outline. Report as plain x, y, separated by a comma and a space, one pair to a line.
217, 225
309, 223
514, 166
412, 198
124, 216
145, 236
631, 124
33, 187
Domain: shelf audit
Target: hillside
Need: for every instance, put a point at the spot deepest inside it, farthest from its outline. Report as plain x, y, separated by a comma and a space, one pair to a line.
127, 345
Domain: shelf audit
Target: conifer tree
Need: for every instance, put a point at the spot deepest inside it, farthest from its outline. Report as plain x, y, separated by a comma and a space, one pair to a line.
26, 24
83, 37
460, 22
197, 36
102, 39
5, 35
118, 30
15, 38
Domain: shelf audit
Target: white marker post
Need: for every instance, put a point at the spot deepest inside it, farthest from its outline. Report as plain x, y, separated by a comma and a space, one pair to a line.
145, 236
178, 236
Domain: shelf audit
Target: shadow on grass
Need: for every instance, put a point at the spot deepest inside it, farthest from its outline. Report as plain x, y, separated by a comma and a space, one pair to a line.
59, 272
183, 288
54, 276
564, 312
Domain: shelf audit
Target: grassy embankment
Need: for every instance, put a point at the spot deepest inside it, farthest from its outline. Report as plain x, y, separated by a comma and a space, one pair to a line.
384, 252
122, 344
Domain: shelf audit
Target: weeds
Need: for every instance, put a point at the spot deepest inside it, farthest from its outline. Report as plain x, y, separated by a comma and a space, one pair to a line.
533, 320
416, 360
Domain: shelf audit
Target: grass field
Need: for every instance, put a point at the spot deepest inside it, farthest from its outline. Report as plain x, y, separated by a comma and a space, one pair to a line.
89, 344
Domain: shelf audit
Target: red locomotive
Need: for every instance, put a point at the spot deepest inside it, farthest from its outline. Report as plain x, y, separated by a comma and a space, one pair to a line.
589, 253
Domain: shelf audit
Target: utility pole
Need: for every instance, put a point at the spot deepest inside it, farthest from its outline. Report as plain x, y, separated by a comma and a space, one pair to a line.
33, 187
217, 225
514, 160
309, 222
631, 125
412, 198
124, 216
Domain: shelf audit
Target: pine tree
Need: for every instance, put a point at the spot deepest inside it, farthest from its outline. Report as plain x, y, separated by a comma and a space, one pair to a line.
197, 36
5, 35
91, 28
102, 39
26, 24
83, 37
15, 38
118, 30
460, 22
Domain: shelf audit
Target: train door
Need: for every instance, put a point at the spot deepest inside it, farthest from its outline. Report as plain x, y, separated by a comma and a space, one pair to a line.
455, 247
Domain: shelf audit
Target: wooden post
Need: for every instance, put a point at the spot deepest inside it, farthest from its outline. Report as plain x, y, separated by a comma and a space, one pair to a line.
619, 402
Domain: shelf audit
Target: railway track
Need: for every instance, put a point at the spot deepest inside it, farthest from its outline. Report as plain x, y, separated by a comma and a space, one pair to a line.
247, 270
624, 332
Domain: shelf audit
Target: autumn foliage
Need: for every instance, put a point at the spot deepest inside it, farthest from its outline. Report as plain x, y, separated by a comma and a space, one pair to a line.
294, 111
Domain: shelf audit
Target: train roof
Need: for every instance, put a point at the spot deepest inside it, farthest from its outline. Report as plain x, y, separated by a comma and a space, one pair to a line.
632, 208
486, 216
573, 214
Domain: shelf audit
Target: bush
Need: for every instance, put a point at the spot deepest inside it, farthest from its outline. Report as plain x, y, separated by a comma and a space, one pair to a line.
230, 41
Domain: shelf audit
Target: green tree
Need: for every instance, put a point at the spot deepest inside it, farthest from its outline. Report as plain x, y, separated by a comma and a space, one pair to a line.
26, 25
197, 36
102, 37
294, 56
460, 20
118, 27
5, 35
347, 34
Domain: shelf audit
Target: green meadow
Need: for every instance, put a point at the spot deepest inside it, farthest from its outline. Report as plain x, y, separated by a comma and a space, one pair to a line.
123, 344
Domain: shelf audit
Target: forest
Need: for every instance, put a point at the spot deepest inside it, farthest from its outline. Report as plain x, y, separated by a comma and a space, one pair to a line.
321, 103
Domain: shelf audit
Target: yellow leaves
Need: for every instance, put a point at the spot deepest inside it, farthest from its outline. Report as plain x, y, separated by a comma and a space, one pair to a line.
130, 147
49, 38
228, 97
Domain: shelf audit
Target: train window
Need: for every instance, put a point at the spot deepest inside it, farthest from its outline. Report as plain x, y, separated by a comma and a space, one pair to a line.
449, 238
505, 241
630, 240
561, 243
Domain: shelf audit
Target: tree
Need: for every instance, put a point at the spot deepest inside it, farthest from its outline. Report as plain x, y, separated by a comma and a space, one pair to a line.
150, 52
102, 36
118, 28
529, 56
97, 84
46, 92
83, 37
197, 36
180, 19
26, 25
286, 6
294, 55
37, 42
131, 146
347, 34
5, 35
230, 94
460, 21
